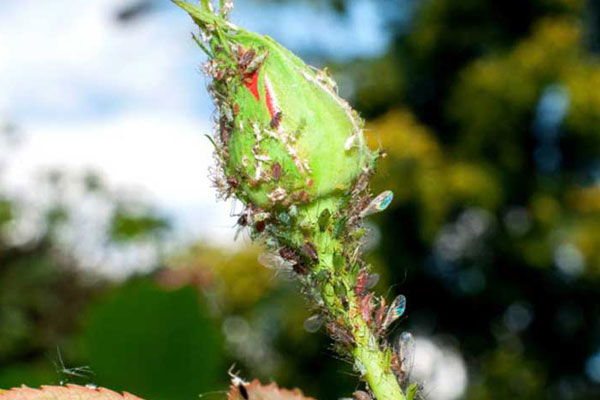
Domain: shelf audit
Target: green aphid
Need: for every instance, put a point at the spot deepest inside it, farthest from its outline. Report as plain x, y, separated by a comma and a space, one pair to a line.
324, 219
358, 233
411, 391
339, 227
340, 290
321, 277
284, 218
338, 263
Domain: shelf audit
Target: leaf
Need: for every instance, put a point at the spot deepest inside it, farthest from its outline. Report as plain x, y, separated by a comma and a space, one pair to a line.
256, 391
68, 392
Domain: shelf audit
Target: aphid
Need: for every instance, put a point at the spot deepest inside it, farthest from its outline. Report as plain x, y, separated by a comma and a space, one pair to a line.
324, 219
395, 311
236, 109
288, 254
349, 143
242, 220
365, 307
232, 182
313, 323
338, 262
310, 251
340, 290
260, 226
256, 63
276, 120
339, 227
322, 276
274, 261
238, 382
361, 282
302, 196
362, 395
278, 194
340, 334
396, 366
224, 131
361, 183
75, 372
372, 280
284, 218
280, 265
405, 348
300, 268
276, 171
245, 58
345, 303
293, 210
378, 204
380, 314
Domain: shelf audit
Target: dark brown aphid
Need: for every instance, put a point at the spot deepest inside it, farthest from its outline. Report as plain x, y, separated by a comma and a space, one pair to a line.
246, 58
276, 169
340, 334
242, 220
362, 395
260, 226
310, 251
300, 268
288, 254
243, 391
232, 182
276, 120
345, 303
236, 109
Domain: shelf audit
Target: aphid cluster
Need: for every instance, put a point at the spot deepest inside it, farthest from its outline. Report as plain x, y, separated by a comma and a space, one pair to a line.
259, 160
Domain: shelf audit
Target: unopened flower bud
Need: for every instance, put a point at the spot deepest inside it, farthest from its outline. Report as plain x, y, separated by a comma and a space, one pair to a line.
284, 135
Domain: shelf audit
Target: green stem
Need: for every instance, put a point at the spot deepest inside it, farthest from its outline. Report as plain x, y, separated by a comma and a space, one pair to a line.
370, 358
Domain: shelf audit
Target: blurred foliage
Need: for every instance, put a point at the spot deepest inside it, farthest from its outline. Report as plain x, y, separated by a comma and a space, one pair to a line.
127, 225
234, 279
155, 343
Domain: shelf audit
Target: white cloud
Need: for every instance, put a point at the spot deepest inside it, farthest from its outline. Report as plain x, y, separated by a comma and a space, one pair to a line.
163, 157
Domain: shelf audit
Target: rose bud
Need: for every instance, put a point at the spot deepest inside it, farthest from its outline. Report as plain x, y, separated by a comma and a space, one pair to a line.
284, 136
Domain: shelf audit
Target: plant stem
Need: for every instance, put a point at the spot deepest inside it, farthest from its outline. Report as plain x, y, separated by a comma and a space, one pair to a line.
370, 353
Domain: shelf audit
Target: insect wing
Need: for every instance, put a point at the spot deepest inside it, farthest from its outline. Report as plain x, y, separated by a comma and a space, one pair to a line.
277, 263
378, 204
395, 311
313, 323
372, 280
406, 351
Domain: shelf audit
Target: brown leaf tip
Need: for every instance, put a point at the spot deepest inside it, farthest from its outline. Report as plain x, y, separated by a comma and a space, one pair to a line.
68, 392
256, 391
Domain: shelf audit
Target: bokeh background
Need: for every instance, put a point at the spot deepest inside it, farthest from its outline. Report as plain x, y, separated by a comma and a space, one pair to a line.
119, 268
